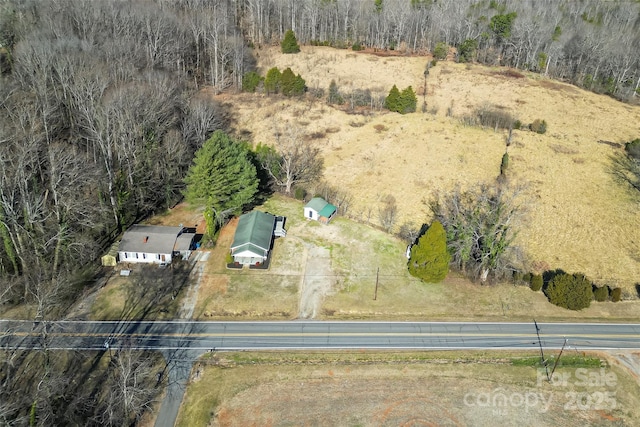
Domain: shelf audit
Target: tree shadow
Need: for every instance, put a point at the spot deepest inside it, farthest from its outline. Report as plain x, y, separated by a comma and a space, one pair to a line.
626, 171
154, 291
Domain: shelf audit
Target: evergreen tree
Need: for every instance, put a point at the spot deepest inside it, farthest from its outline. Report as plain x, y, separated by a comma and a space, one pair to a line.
250, 81
291, 84
222, 178
392, 101
290, 44
467, 50
429, 259
272, 81
572, 291
408, 101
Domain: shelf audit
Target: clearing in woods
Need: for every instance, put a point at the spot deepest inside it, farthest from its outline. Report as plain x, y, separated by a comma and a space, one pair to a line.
577, 219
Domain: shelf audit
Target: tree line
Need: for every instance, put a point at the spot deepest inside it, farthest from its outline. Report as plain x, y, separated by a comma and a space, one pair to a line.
590, 43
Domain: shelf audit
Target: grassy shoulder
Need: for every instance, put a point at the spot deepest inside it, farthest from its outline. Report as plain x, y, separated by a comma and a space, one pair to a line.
358, 388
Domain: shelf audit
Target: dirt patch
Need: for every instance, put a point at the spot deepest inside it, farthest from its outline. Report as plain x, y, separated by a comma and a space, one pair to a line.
317, 283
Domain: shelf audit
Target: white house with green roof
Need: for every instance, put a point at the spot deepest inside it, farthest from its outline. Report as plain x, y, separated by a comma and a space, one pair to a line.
318, 209
253, 238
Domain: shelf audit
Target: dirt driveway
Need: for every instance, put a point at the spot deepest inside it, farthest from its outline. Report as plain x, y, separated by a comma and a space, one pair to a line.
317, 281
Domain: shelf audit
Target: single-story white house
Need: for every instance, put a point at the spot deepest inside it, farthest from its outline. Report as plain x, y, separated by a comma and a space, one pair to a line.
318, 209
154, 244
253, 238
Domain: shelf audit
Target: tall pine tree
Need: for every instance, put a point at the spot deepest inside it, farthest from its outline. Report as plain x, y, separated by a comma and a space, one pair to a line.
429, 259
290, 43
222, 178
392, 101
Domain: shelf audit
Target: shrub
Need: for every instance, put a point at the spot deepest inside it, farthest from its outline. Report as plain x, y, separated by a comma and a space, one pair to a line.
334, 94
408, 101
493, 117
250, 81
429, 259
616, 294
291, 84
401, 102
360, 98
357, 46
290, 44
572, 291
392, 101
517, 124
633, 148
538, 126
536, 282
441, 50
467, 50
600, 293
229, 258
299, 193
527, 278
272, 81
504, 164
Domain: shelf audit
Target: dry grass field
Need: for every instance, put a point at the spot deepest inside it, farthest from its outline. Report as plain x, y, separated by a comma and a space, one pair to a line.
577, 219
391, 389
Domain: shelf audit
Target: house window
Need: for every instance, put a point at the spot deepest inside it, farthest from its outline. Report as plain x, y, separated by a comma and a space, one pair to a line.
158, 256
136, 255
144, 256
310, 213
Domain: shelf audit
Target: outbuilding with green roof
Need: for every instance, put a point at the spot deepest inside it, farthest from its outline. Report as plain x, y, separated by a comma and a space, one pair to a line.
318, 209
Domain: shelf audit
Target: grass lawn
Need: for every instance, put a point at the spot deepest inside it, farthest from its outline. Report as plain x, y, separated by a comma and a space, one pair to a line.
356, 253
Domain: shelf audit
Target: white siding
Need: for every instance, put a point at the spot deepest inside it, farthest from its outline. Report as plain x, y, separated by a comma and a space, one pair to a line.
144, 258
310, 214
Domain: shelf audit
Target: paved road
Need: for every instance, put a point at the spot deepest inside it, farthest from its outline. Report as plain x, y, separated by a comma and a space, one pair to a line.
310, 335
181, 342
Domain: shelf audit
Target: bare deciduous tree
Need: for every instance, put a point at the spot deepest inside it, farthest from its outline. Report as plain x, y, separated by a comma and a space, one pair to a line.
481, 226
295, 161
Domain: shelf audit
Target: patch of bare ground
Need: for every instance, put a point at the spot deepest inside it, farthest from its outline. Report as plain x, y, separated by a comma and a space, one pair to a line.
578, 218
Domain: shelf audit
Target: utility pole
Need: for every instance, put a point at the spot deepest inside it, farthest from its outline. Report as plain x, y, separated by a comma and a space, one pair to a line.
558, 359
544, 362
375, 294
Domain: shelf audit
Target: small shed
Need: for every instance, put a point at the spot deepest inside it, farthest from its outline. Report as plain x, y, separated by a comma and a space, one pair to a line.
318, 209
110, 259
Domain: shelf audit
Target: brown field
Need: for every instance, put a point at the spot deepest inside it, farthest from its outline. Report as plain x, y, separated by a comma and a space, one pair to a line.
391, 389
577, 219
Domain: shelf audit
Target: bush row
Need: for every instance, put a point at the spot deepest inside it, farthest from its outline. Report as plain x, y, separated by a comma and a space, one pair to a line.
572, 291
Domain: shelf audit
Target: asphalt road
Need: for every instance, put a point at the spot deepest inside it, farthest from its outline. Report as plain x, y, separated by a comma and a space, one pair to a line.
310, 335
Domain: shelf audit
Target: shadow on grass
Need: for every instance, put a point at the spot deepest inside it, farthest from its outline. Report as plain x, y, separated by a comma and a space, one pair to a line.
154, 292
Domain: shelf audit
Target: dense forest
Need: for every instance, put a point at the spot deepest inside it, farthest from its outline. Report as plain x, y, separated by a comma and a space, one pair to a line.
101, 112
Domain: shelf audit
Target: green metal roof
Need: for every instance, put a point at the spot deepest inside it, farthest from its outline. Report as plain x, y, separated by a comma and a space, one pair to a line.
317, 204
255, 228
327, 211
